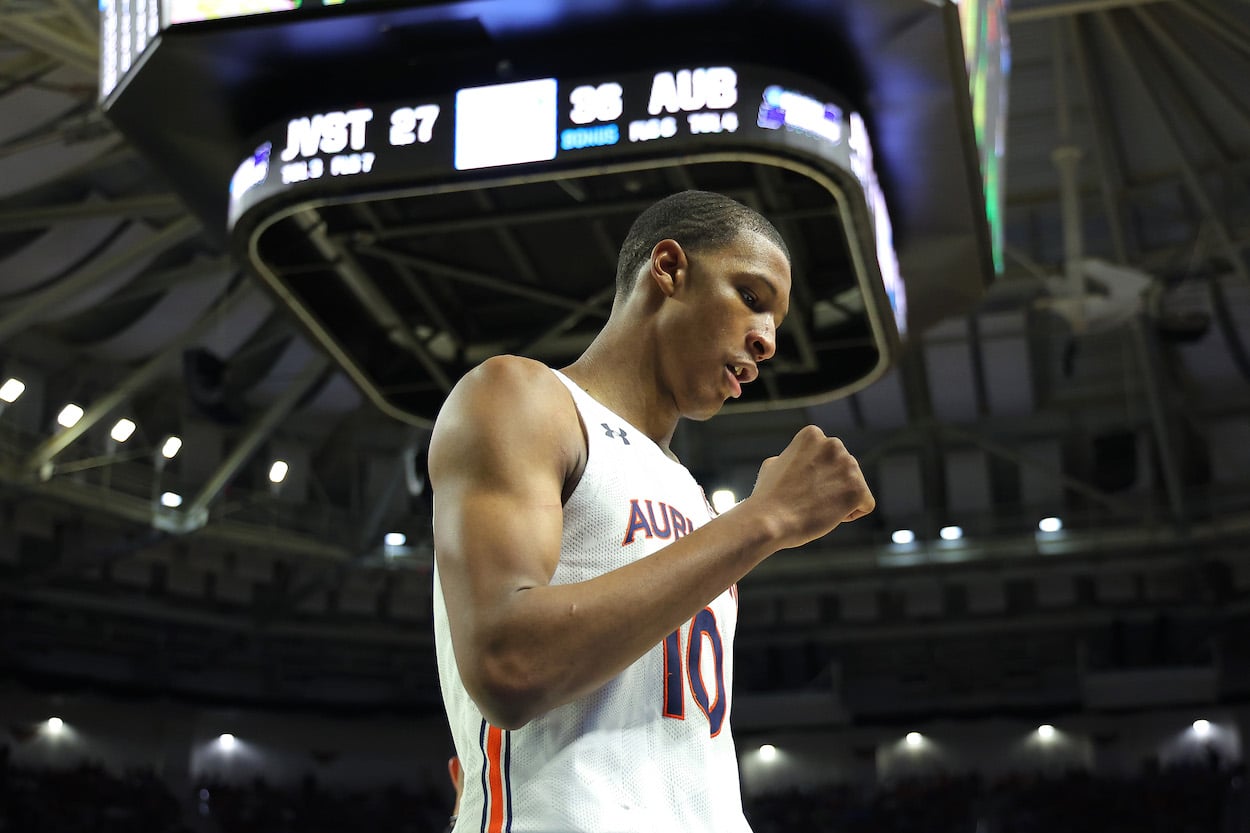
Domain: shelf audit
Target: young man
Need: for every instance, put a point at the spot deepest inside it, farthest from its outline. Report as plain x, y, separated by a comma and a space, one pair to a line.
585, 597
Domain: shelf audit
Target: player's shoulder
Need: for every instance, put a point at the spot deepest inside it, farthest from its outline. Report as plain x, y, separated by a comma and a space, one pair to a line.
509, 381
506, 391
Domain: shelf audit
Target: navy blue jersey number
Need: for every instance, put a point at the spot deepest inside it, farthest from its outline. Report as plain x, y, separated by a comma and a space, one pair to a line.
704, 635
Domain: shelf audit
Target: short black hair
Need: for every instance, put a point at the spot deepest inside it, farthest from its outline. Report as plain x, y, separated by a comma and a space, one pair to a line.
698, 220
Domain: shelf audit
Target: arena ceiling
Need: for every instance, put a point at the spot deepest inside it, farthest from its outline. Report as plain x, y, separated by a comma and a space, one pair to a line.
1124, 410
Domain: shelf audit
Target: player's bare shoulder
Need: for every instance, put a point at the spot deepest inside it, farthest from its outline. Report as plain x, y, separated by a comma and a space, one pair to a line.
509, 405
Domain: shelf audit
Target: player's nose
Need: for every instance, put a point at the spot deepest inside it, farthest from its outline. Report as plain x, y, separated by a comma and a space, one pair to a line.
762, 341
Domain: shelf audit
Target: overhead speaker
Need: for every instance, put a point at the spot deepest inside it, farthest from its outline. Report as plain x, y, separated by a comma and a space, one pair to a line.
205, 376
1115, 460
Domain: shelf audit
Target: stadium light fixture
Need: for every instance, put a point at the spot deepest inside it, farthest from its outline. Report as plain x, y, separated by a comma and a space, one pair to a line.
69, 415
1050, 524
723, 500
12, 389
903, 536
122, 430
171, 447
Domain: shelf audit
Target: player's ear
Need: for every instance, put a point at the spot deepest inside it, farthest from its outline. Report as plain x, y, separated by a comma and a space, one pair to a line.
668, 266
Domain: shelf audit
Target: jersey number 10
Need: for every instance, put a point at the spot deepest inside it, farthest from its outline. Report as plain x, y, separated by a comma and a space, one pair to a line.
714, 704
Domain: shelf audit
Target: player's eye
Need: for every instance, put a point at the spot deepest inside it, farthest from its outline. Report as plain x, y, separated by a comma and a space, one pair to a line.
749, 298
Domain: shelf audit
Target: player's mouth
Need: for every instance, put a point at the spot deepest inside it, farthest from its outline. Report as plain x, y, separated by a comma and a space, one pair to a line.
739, 375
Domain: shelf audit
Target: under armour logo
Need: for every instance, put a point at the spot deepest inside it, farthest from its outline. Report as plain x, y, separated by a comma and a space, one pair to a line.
608, 431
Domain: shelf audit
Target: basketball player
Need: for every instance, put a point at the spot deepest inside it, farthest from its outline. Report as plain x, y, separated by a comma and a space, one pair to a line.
584, 595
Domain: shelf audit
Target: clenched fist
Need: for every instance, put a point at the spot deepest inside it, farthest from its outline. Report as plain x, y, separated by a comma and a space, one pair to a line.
811, 487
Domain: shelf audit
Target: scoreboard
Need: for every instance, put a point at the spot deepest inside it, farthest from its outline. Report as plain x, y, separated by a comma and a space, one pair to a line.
306, 132
547, 124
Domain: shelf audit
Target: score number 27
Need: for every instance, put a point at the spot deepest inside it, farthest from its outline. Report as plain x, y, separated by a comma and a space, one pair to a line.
413, 124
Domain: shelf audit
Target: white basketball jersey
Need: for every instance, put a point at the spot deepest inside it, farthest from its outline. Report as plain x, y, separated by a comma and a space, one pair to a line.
650, 751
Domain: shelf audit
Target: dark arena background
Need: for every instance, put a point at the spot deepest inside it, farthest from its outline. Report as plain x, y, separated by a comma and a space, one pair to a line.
247, 247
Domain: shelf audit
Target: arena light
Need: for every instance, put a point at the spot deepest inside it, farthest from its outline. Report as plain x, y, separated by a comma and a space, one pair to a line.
768, 752
55, 725
122, 430
951, 533
69, 416
277, 472
12, 389
226, 741
1202, 728
395, 539
171, 447
903, 536
723, 500
1050, 524
1046, 732
171, 499
914, 740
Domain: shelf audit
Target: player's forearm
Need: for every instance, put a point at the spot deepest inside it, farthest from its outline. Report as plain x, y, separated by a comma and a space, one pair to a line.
550, 644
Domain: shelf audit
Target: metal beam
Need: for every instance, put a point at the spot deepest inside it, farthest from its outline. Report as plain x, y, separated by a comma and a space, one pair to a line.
1067, 159
569, 321
457, 273
607, 247
1110, 172
1193, 184
371, 298
87, 25
507, 238
47, 451
914, 376
196, 513
416, 286
168, 237
24, 69
1232, 24
367, 536
1071, 483
128, 507
1144, 183
156, 282
1148, 360
1231, 99
1181, 100
78, 124
1075, 7
36, 217
42, 38
1224, 29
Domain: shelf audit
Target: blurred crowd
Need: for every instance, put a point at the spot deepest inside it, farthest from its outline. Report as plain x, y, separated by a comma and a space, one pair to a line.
90, 799
1194, 799
85, 799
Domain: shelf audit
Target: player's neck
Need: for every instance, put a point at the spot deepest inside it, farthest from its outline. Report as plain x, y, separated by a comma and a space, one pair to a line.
620, 370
